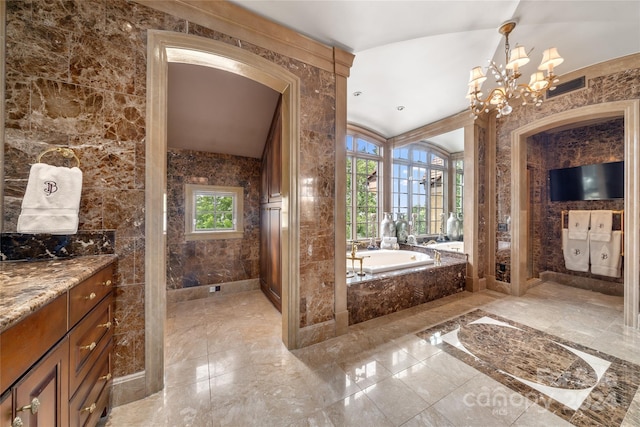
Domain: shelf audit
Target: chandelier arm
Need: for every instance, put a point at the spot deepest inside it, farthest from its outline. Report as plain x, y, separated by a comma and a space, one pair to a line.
507, 79
492, 94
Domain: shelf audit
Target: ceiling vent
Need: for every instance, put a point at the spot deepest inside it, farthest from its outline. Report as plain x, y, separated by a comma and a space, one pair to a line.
567, 87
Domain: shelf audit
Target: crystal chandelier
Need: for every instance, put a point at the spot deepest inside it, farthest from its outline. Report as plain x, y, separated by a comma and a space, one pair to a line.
507, 79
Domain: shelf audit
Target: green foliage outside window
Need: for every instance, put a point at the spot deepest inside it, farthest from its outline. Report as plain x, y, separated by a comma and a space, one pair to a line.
363, 164
214, 212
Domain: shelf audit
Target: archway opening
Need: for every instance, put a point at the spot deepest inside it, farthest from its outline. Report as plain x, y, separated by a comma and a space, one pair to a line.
630, 111
163, 48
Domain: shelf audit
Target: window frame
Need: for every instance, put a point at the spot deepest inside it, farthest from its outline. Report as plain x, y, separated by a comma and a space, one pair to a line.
190, 194
457, 166
352, 156
429, 167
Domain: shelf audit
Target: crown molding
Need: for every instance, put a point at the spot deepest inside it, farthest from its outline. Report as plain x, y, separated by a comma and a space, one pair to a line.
249, 27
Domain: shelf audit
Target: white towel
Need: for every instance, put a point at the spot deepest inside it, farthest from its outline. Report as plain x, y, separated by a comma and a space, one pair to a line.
601, 226
579, 224
605, 256
51, 200
576, 252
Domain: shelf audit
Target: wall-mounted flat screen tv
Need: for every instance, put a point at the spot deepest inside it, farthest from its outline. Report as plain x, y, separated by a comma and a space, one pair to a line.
601, 181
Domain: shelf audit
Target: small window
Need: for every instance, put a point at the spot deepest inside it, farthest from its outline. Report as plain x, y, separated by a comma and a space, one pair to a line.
213, 212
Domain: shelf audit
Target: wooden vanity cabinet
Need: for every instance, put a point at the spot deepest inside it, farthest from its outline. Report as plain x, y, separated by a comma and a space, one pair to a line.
70, 379
41, 397
6, 409
90, 345
26, 342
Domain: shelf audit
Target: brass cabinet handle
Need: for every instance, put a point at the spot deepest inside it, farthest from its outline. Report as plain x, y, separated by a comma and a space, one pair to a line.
106, 377
88, 347
91, 296
17, 422
89, 409
34, 406
104, 325
106, 283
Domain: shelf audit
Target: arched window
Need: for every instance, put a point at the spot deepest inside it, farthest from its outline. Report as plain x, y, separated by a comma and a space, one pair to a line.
364, 185
419, 186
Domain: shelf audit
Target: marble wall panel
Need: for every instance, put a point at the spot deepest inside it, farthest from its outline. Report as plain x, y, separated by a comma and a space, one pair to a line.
616, 86
481, 200
316, 175
76, 76
31, 247
374, 297
206, 262
585, 145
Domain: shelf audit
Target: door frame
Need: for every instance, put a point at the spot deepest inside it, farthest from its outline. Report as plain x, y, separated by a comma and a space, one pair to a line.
164, 47
630, 111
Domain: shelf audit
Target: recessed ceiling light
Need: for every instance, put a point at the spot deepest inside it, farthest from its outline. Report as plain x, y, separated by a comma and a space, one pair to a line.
357, 93
400, 107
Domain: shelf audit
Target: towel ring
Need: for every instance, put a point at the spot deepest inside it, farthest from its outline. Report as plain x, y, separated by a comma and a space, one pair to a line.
65, 152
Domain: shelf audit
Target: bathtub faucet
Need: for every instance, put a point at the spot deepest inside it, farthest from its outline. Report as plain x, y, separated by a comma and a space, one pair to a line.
353, 258
438, 258
354, 248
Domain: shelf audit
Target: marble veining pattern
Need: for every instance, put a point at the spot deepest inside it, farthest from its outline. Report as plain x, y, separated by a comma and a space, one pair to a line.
585, 145
18, 246
579, 384
226, 366
380, 294
27, 286
76, 76
206, 262
606, 88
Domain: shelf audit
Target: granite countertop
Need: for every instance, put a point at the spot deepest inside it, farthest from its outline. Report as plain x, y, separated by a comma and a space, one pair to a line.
27, 286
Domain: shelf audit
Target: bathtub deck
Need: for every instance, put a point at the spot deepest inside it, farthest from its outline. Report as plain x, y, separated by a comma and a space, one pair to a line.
377, 295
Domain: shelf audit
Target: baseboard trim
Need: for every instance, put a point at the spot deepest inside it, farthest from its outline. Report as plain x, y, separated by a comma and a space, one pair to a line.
198, 292
128, 388
316, 333
587, 283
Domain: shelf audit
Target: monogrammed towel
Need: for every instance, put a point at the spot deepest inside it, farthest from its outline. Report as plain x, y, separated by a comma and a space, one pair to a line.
579, 224
576, 252
605, 256
51, 200
601, 226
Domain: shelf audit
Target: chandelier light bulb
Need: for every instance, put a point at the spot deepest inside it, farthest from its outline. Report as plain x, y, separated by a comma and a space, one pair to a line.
550, 59
517, 59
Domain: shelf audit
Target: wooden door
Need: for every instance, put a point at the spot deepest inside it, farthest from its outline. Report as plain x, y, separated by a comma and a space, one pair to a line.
264, 248
275, 161
275, 268
42, 396
270, 265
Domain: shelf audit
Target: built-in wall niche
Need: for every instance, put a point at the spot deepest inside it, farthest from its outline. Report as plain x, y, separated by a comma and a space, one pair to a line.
568, 147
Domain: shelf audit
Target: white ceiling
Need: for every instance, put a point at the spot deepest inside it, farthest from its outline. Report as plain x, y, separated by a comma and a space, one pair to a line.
217, 111
417, 54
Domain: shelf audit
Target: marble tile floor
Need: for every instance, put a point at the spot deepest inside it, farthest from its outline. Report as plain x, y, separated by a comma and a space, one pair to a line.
226, 365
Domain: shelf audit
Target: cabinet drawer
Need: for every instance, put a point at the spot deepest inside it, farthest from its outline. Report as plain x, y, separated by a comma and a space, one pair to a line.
92, 397
83, 297
88, 340
26, 342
